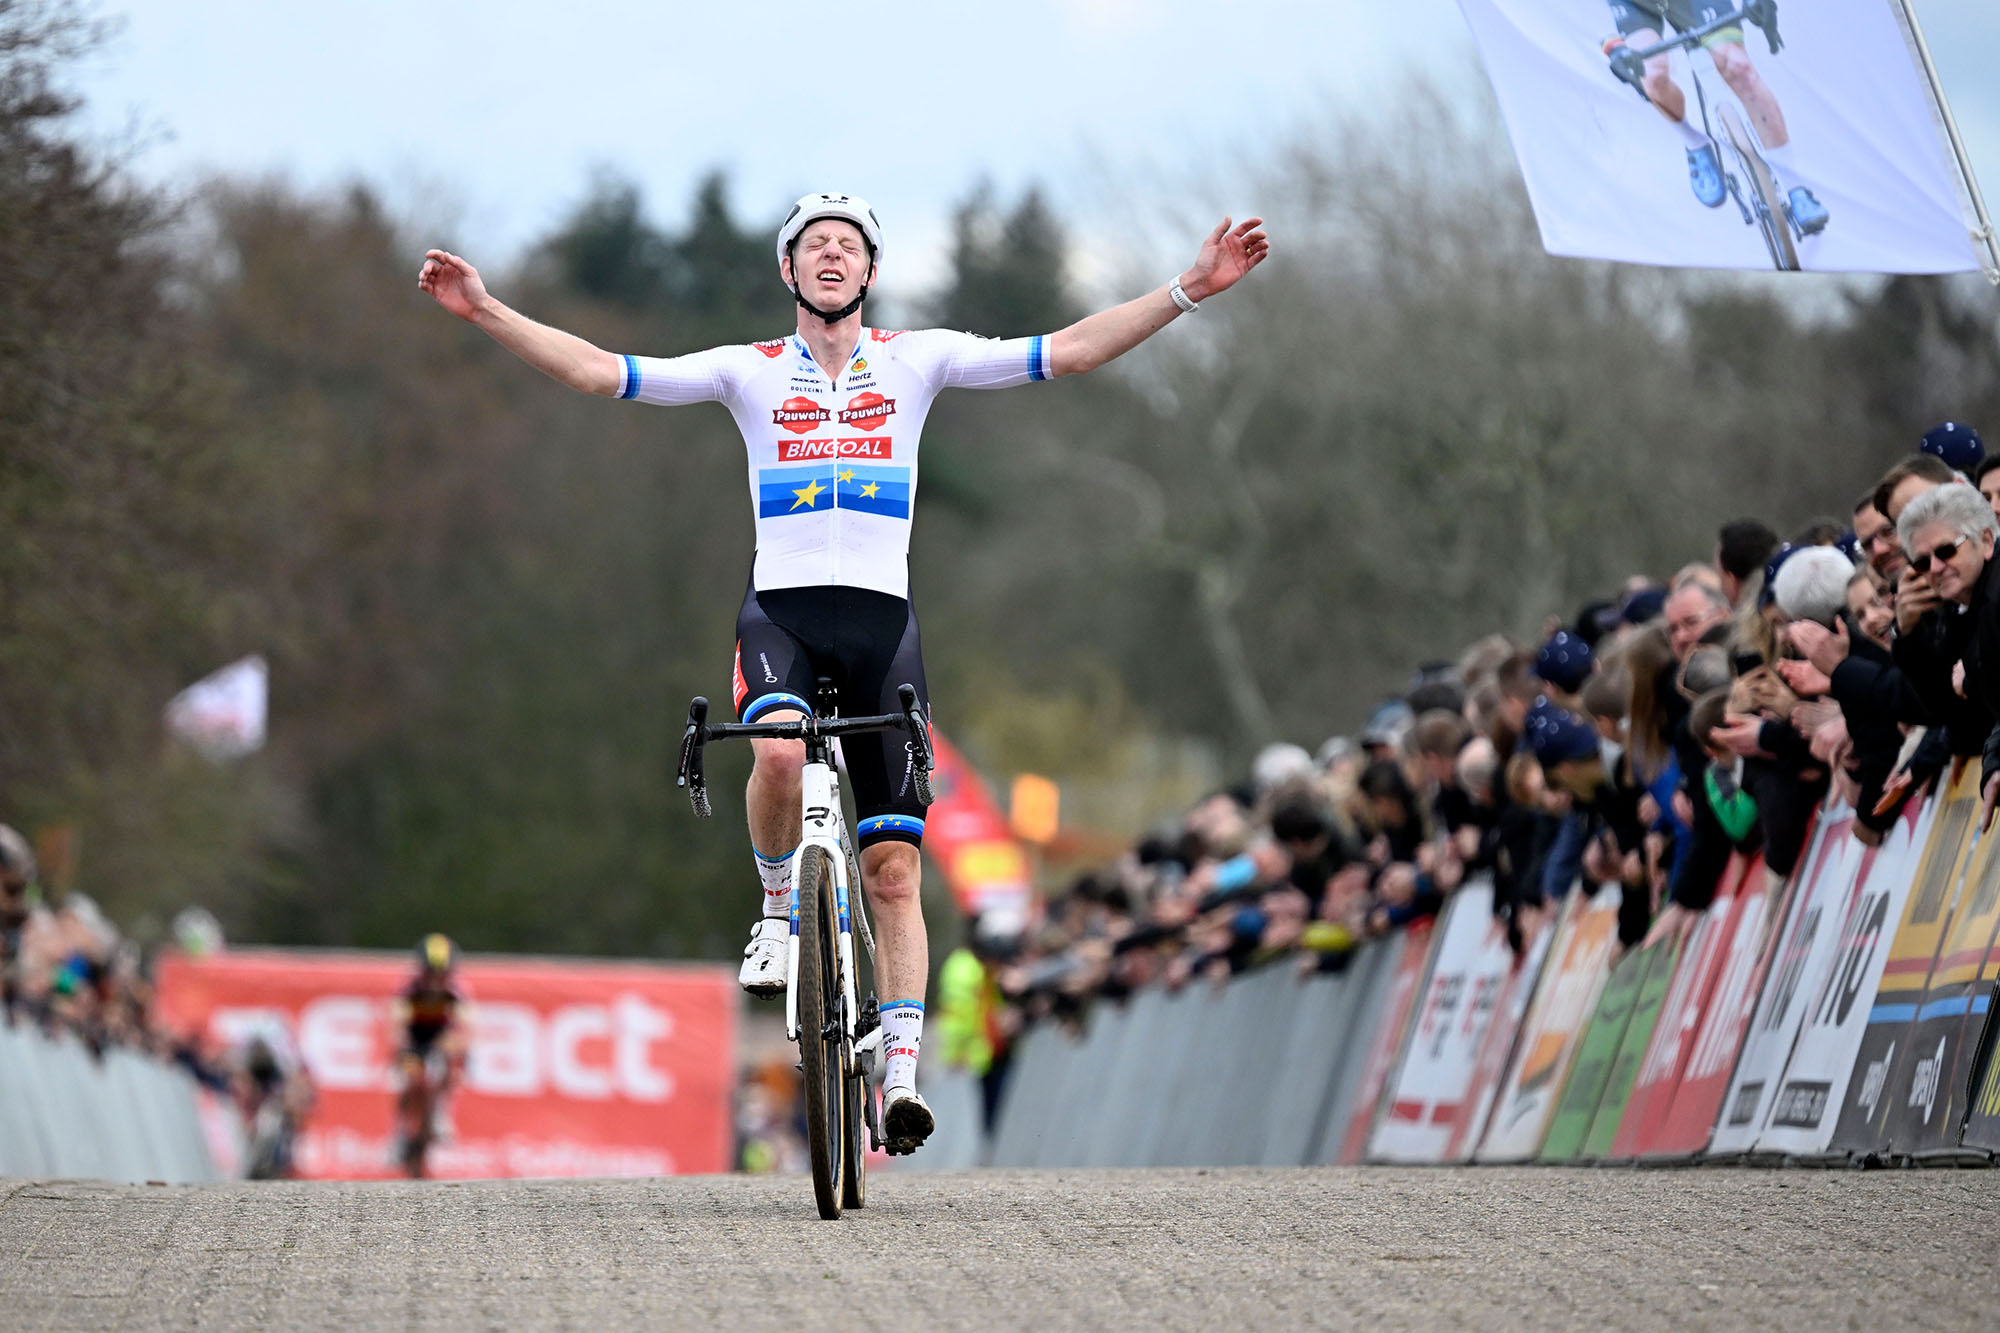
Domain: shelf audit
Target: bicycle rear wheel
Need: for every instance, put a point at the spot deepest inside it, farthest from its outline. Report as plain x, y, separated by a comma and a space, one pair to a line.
1772, 219
855, 1195
822, 1042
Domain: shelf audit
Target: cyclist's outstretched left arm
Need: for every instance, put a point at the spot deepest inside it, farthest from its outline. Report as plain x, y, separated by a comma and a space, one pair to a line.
1229, 253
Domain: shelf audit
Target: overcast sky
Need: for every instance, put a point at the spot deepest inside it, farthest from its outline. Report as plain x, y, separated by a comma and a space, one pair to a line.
498, 113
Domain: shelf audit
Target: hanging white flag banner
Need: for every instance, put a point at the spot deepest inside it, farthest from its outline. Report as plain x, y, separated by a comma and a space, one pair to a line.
223, 715
1730, 134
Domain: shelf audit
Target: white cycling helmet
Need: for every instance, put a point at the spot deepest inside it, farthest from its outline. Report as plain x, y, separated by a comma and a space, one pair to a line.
847, 207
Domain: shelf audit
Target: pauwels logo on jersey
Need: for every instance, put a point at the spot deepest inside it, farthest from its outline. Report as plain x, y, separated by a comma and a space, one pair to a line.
801, 416
867, 411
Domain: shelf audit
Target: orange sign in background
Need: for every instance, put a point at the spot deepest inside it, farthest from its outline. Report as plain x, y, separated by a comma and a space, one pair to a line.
575, 1069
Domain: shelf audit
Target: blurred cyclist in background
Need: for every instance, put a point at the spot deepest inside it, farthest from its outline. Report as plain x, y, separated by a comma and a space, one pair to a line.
431, 1014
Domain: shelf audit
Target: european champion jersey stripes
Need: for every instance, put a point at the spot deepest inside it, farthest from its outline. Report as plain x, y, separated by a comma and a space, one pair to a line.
833, 458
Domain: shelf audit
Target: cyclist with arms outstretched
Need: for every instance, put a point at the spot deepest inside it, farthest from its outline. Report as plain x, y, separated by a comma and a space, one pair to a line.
1640, 23
831, 416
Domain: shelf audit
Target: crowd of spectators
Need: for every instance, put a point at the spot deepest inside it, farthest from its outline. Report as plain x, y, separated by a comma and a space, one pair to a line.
1641, 743
66, 971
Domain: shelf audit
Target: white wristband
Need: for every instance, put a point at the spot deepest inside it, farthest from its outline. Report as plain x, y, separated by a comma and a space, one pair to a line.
1187, 303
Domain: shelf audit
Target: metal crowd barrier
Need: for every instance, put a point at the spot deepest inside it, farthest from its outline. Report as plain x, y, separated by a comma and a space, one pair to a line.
120, 1118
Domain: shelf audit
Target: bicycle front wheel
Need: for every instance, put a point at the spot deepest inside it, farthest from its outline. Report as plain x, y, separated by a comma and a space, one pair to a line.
822, 1041
1772, 220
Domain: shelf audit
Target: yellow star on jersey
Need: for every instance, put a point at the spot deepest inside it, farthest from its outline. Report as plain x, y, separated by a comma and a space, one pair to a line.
847, 474
808, 495
868, 491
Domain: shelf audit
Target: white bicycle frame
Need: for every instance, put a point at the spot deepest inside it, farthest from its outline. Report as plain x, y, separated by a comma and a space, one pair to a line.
824, 825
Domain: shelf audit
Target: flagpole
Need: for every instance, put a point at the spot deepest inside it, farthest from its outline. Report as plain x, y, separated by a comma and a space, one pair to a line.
1983, 235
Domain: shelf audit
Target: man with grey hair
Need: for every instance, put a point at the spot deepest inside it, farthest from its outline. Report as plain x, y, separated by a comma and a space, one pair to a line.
1812, 585
1693, 608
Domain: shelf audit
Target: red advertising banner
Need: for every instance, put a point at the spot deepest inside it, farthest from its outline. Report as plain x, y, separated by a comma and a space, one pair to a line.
1680, 1016
966, 832
576, 1068
1388, 1039
1695, 1104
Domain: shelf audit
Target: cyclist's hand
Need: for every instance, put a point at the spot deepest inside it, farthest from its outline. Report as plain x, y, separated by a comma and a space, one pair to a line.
1227, 254
452, 282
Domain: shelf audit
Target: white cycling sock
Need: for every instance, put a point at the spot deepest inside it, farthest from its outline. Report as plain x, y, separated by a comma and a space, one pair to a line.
1781, 162
902, 1033
777, 877
1693, 133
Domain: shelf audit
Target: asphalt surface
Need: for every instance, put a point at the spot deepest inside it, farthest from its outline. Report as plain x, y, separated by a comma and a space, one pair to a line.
1482, 1248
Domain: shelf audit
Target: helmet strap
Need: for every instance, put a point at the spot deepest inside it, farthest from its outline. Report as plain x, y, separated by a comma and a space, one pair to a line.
831, 316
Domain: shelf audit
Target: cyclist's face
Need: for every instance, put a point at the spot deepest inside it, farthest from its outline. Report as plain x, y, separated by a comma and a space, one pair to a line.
829, 262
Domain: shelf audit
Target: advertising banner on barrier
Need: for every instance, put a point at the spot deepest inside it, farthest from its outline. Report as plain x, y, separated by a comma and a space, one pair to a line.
1696, 134
1387, 1041
1565, 998
1885, 1047
1428, 1090
1927, 1098
1982, 1125
1597, 1048
1810, 933
1814, 1085
1489, 1065
576, 1068
1646, 1010
1683, 1114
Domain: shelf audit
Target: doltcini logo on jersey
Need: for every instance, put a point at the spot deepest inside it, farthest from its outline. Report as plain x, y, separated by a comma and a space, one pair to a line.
867, 411
800, 416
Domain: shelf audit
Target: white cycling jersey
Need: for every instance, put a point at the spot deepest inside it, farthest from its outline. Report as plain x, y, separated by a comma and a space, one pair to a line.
833, 460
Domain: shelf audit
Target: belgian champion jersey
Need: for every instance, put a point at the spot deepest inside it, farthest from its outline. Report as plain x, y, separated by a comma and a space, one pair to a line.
833, 459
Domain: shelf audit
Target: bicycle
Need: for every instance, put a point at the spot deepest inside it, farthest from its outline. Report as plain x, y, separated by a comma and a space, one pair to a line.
416, 1110
837, 1029
1763, 208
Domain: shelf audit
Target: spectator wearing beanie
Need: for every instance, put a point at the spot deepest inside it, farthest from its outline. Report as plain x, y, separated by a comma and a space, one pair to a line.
1565, 662
1956, 445
1603, 837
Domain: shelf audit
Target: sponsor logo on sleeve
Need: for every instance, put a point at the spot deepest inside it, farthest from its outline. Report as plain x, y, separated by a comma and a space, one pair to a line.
771, 349
801, 416
885, 335
867, 411
864, 446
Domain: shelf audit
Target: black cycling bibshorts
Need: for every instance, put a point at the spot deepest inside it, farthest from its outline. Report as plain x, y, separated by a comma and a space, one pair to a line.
866, 642
1684, 15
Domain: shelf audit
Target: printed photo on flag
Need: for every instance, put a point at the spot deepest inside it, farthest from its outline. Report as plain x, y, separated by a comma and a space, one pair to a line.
1727, 133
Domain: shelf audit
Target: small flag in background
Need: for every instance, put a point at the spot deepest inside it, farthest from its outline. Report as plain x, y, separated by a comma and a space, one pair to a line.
223, 715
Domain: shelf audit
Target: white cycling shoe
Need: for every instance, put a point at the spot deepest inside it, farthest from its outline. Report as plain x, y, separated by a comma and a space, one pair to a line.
906, 1121
763, 971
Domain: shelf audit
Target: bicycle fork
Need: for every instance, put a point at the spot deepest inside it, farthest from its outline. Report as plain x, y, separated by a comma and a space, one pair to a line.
818, 829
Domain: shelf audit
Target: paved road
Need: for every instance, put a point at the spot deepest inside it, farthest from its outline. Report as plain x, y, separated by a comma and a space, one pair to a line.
1085, 1249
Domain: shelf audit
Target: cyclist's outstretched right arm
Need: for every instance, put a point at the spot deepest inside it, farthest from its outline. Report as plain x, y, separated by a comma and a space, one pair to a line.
583, 366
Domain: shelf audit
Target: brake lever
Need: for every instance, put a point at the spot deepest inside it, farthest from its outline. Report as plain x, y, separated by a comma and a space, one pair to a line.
920, 743
689, 773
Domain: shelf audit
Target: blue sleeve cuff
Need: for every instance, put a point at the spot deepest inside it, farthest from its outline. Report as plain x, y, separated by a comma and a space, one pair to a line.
628, 384
1040, 364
